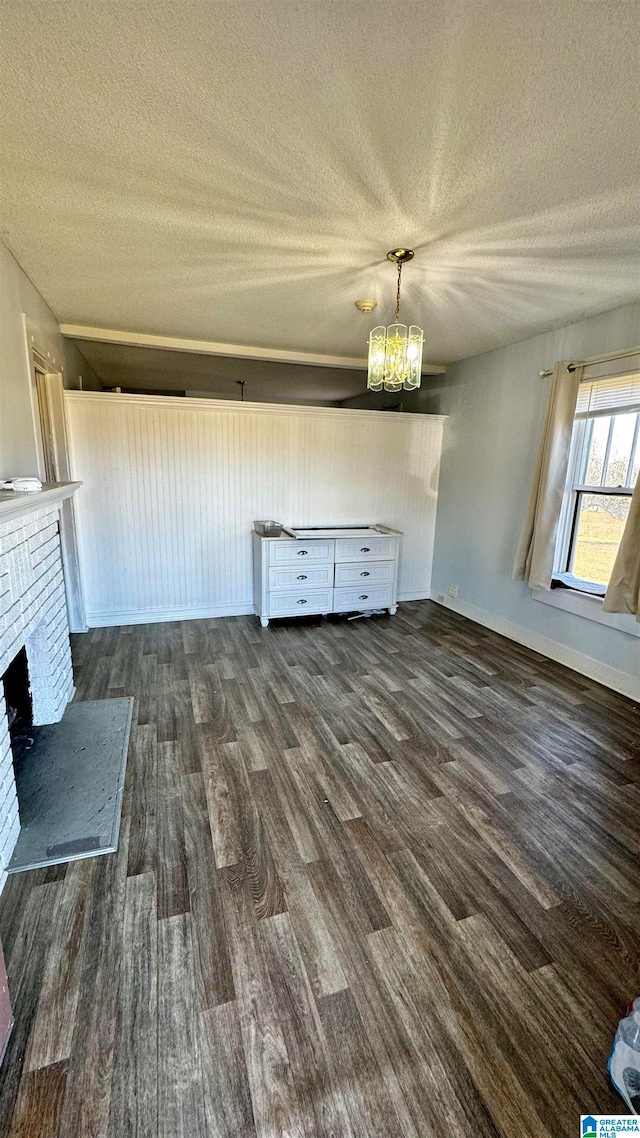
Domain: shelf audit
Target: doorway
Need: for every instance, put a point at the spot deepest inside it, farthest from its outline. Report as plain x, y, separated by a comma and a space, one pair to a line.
43, 421
55, 466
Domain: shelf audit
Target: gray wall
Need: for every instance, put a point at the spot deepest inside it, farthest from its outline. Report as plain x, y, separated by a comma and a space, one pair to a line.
78, 375
426, 400
151, 370
18, 452
18, 296
496, 403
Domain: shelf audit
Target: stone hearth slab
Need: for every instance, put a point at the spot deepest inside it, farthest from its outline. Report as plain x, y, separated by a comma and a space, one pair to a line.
70, 784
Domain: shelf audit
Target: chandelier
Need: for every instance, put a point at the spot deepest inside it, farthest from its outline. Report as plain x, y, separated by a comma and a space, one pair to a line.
395, 353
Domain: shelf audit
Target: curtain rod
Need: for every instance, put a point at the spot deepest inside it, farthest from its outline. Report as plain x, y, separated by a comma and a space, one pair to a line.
595, 360
549, 370
571, 367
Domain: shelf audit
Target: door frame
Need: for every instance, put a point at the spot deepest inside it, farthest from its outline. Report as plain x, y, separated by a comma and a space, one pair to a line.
55, 466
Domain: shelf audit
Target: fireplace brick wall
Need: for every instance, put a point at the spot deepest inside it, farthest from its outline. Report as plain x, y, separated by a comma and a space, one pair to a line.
33, 615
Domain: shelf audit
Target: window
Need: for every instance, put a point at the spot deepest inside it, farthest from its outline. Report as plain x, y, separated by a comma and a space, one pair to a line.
603, 470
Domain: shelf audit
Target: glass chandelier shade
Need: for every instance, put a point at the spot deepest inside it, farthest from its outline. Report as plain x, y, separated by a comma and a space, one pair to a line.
395, 353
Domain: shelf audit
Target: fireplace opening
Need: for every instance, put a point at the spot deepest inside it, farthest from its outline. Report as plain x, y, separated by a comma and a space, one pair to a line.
17, 694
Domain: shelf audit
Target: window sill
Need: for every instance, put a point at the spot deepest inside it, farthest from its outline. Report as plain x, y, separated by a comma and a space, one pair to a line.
576, 585
589, 606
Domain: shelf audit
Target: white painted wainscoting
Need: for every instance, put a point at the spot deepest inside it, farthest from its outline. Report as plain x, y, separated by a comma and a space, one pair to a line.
171, 487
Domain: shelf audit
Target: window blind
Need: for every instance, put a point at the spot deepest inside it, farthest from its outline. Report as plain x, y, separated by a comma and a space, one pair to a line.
613, 394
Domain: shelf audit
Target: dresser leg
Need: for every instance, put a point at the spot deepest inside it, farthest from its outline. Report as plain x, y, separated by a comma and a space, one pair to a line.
264, 621
393, 610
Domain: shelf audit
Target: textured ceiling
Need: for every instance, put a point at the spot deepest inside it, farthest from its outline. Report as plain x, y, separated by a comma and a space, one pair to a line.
237, 171
153, 369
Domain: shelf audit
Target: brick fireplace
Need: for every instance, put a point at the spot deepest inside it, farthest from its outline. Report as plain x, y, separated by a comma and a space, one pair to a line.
33, 623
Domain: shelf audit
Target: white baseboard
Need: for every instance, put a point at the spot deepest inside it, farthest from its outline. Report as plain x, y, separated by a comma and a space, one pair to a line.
194, 612
160, 616
610, 677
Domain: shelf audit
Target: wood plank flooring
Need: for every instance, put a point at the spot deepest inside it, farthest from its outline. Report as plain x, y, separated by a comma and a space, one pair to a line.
375, 880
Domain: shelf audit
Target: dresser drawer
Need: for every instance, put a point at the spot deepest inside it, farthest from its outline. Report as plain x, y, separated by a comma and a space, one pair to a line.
365, 548
365, 573
295, 552
296, 604
376, 597
301, 577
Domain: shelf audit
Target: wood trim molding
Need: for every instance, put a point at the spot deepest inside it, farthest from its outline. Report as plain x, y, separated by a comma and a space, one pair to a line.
244, 407
14, 503
213, 348
160, 616
193, 612
588, 606
613, 678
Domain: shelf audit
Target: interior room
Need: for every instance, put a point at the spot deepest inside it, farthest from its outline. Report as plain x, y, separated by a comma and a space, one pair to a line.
319, 569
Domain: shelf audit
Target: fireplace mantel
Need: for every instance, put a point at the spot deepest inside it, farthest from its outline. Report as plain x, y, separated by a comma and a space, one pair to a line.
15, 503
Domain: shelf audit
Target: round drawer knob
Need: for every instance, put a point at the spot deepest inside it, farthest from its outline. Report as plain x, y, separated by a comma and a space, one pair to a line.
364, 597
302, 602
301, 577
302, 552
365, 549
364, 574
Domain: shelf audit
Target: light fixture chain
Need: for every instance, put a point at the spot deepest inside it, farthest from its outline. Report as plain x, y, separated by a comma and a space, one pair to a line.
398, 293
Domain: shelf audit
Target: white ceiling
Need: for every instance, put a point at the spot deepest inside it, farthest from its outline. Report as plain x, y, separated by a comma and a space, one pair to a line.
236, 171
154, 369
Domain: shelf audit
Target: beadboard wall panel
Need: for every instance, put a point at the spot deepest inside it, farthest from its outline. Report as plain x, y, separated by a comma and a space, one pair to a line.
171, 488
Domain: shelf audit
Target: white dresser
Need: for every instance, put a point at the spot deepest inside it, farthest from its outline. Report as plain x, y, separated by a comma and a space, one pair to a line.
323, 570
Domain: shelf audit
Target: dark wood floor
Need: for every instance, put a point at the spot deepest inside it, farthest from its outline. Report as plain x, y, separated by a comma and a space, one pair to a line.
375, 879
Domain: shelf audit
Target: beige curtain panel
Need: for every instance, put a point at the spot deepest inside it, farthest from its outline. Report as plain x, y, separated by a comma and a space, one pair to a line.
536, 550
623, 593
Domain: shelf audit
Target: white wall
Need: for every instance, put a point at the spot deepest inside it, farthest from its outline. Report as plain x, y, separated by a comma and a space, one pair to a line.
171, 488
496, 403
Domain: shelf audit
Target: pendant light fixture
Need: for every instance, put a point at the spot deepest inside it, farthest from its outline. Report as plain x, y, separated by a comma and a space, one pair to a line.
395, 353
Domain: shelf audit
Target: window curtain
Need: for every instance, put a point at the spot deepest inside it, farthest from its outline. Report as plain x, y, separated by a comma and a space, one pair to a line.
536, 551
623, 593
